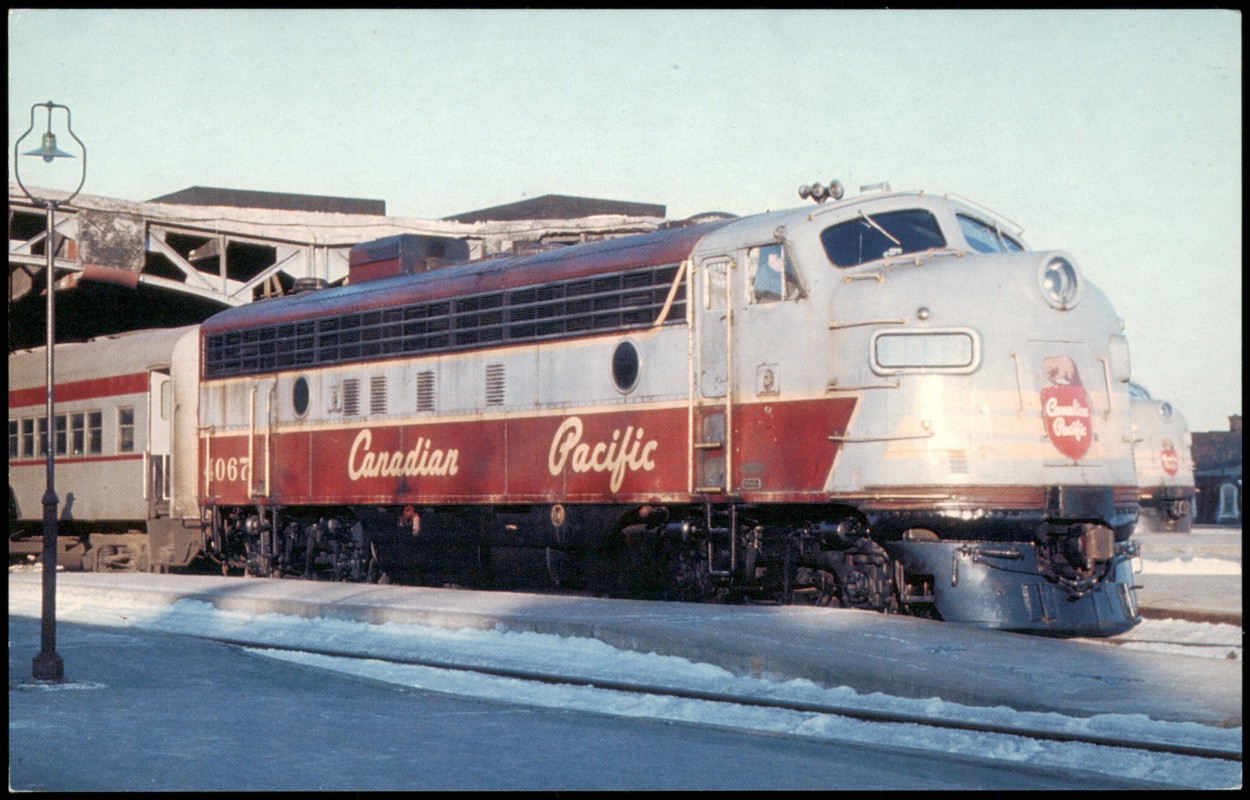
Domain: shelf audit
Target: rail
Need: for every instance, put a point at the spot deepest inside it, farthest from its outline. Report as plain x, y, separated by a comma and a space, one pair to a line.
1156, 746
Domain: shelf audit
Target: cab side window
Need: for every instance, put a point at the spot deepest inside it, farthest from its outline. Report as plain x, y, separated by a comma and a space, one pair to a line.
771, 275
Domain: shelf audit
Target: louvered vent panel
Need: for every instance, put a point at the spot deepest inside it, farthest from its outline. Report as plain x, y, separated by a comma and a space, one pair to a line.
425, 391
377, 394
494, 385
351, 397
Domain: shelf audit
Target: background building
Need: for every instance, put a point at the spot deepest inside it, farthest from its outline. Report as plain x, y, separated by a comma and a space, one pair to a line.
1217, 475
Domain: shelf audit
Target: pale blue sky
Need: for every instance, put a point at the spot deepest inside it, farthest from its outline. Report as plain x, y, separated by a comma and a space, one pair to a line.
1115, 135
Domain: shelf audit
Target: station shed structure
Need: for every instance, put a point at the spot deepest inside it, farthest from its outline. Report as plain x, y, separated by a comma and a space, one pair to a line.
174, 260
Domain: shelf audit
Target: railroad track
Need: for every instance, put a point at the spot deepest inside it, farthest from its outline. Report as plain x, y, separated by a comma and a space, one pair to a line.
634, 687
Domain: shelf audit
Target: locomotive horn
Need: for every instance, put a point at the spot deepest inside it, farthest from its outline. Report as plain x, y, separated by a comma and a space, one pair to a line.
821, 193
815, 191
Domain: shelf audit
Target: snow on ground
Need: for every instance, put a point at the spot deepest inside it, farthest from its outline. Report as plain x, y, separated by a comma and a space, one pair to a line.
592, 658
1207, 550
1191, 566
1198, 639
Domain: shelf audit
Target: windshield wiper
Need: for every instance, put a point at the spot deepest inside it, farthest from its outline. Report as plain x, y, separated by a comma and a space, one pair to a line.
880, 229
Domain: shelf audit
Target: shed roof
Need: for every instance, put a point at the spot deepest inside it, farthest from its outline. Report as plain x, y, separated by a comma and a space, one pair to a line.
245, 198
560, 206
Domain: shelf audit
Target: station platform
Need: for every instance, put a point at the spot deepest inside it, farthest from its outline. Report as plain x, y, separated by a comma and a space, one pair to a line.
867, 651
1192, 576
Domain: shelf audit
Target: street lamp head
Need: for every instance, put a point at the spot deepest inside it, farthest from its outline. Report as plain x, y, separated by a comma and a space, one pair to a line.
48, 150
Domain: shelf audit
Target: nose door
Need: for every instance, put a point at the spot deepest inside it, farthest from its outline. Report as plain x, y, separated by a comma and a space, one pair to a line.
160, 421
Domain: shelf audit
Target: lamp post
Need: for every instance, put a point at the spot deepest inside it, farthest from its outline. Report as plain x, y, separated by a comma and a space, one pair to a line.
48, 666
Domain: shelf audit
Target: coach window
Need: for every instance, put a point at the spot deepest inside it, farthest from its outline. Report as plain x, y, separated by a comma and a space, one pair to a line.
62, 434
125, 430
167, 399
77, 434
95, 432
770, 274
28, 438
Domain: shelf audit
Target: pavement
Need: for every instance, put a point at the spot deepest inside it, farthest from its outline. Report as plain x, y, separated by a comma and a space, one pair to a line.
146, 711
866, 651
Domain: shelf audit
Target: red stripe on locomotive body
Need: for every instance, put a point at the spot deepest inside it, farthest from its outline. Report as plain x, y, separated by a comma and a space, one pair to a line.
785, 446
584, 456
668, 246
112, 386
626, 456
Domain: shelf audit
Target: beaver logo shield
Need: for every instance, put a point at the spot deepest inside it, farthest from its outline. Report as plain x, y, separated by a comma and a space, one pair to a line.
1171, 461
1066, 408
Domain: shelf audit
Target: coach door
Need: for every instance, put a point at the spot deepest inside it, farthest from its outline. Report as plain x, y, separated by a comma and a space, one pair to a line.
156, 454
712, 390
260, 436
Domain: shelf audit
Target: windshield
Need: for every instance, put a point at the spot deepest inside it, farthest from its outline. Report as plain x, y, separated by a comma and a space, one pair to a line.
986, 238
874, 236
1138, 392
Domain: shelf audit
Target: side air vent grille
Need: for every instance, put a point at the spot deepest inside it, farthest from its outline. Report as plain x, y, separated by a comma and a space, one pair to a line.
598, 304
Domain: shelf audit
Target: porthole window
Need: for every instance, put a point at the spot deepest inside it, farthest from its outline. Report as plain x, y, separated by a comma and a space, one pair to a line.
625, 366
299, 396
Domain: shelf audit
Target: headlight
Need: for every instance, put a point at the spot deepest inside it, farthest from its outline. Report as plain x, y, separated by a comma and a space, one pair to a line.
1060, 284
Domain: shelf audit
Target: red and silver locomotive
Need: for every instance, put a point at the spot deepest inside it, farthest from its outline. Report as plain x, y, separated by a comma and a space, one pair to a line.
1165, 466
886, 402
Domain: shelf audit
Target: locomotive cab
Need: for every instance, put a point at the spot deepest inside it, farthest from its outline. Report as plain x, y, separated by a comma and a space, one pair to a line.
999, 395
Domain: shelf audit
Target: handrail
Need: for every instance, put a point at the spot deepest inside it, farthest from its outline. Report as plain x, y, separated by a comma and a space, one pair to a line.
837, 326
672, 295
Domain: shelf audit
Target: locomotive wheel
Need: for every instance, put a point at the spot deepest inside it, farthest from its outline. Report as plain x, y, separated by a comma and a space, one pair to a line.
820, 588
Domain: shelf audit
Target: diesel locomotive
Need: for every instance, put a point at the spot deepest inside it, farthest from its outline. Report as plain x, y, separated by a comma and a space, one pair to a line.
1165, 466
883, 402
